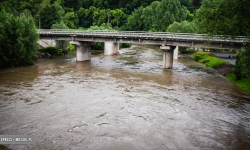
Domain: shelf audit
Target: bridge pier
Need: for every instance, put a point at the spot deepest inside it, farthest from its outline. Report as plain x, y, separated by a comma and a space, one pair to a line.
83, 50
111, 48
168, 56
176, 52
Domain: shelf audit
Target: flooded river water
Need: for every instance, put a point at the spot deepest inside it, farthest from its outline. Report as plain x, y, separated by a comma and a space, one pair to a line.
123, 102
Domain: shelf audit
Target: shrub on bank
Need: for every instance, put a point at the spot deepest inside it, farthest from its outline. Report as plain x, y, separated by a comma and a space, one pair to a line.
54, 51
125, 45
72, 48
98, 46
208, 60
243, 83
18, 40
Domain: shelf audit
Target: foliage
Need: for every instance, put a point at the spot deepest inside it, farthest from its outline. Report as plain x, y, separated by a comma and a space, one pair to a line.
157, 16
213, 62
71, 20
104, 26
54, 51
18, 40
60, 44
242, 66
125, 45
208, 60
93, 12
72, 47
50, 14
243, 83
224, 17
201, 53
183, 27
98, 46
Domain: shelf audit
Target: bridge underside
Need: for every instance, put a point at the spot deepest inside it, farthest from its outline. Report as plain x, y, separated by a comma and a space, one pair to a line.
83, 45
170, 42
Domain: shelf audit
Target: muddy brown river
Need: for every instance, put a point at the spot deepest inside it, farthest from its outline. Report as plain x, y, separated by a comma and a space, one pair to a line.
124, 102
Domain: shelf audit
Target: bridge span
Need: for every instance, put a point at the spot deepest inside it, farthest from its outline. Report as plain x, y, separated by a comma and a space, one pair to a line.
83, 39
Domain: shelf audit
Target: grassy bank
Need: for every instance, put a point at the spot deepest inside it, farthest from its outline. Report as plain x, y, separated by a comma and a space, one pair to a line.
243, 83
222, 67
208, 59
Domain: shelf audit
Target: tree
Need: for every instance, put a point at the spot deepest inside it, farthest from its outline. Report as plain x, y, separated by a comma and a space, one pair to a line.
157, 16
50, 14
224, 17
135, 20
18, 40
117, 14
59, 43
183, 27
71, 20
242, 66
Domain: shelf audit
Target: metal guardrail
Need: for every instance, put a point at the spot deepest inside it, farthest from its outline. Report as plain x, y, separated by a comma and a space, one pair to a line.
143, 34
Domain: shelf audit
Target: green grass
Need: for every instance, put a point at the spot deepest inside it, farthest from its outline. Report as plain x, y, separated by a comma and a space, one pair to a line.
201, 53
208, 60
243, 83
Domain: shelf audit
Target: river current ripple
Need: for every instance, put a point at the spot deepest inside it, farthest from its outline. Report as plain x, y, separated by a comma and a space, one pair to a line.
123, 102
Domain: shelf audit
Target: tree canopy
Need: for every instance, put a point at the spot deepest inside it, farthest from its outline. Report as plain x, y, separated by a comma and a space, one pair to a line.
157, 16
18, 40
183, 27
224, 17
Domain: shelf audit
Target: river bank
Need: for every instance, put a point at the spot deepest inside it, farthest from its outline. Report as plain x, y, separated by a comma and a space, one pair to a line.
222, 67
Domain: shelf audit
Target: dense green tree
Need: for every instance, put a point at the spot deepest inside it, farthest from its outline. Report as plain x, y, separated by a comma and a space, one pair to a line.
104, 26
18, 40
135, 21
50, 14
242, 66
224, 17
86, 16
100, 16
183, 27
118, 16
71, 20
157, 16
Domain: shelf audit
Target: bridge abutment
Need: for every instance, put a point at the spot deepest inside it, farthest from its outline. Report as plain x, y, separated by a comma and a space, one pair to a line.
111, 48
83, 50
168, 56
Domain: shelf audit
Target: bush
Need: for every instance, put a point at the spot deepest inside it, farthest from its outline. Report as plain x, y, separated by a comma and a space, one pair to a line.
98, 46
215, 62
18, 40
243, 83
54, 51
242, 66
125, 45
201, 53
72, 47
198, 57
208, 60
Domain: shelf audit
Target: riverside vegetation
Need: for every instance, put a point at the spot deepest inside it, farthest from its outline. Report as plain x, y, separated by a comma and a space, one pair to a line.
20, 19
240, 75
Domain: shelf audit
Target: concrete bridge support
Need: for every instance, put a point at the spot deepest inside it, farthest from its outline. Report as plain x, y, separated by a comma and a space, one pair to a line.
111, 48
176, 52
83, 50
168, 56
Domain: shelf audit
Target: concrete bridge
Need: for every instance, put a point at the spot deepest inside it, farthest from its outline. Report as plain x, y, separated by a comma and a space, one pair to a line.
83, 39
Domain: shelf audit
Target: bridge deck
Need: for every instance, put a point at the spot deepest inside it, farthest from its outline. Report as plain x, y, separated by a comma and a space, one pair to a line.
175, 38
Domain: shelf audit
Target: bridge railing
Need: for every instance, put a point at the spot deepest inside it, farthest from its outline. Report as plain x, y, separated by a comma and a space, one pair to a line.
138, 34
